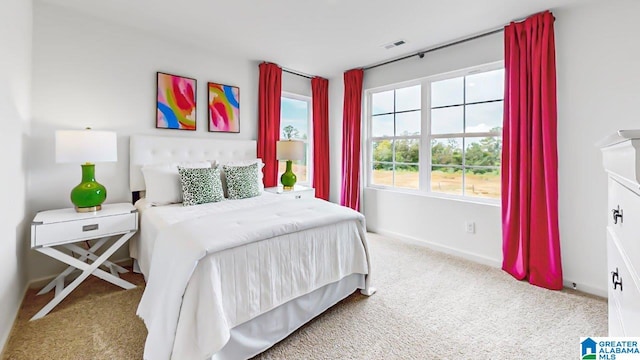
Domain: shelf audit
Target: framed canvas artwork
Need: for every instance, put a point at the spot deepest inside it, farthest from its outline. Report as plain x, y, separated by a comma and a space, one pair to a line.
176, 102
224, 108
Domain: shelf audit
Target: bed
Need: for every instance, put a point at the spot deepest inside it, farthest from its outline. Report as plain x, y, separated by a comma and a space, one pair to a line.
227, 280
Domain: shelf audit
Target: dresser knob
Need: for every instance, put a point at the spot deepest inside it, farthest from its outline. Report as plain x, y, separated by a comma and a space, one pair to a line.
616, 283
617, 214
616, 279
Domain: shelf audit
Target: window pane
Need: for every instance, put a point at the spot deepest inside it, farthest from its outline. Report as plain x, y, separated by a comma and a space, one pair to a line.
382, 102
407, 176
294, 118
382, 174
407, 151
446, 151
485, 151
485, 86
446, 180
447, 92
408, 98
301, 167
485, 117
382, 150
382, 125
482, 183
447, 120
408, 123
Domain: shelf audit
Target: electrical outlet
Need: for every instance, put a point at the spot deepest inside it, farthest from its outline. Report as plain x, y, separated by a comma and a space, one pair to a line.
470, 226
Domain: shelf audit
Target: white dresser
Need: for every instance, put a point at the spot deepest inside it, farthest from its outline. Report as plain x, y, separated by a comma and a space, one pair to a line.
621, 157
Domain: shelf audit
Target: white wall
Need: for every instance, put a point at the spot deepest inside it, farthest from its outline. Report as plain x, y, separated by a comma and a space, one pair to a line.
336, 101
15, 93
90, 72
597, 94
296, 84
597, 60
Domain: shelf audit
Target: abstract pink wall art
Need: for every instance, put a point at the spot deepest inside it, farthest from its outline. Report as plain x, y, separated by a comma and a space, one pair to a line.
176, 102
224, 108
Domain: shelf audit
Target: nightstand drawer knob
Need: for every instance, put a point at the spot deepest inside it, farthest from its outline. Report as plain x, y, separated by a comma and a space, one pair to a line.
90, 227
298, 196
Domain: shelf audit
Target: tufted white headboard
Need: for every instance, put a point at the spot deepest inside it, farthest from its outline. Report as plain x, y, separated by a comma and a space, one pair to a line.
148, 149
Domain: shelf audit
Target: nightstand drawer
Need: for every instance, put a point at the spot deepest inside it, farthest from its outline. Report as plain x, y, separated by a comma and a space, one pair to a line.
306, 194
77, 230
298, 192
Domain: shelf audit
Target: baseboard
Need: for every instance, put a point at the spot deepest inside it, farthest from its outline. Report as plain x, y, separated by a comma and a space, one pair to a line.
567, 283
43, 281
5, 337
441, 248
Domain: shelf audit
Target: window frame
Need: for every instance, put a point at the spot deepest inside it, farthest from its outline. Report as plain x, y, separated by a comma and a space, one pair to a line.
371, 139
424, 164
309, 141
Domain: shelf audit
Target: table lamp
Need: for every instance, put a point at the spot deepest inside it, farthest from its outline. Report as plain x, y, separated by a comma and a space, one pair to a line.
87, 147
289, 150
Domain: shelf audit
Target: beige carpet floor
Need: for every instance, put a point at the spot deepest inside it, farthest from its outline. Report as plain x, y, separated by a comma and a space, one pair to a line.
429, 306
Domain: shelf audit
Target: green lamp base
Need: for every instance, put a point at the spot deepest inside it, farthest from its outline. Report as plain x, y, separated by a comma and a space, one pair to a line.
288, 178
89, 194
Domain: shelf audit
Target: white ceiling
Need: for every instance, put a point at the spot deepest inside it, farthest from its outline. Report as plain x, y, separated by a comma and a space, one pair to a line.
318, 37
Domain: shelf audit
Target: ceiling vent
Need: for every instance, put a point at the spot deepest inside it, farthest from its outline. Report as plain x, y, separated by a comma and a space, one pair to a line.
394, 44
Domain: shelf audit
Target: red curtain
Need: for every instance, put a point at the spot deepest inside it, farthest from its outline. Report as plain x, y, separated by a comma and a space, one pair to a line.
269, 94
320, 99
351, 119
531, 240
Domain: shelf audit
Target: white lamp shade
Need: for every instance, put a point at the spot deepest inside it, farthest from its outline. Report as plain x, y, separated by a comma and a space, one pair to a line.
81, 146
290, 150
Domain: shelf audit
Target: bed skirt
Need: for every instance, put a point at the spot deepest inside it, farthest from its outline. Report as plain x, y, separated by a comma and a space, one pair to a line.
259, 334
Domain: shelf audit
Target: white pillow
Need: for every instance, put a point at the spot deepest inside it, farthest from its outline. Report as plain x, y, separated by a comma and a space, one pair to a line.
240, 163
162, 181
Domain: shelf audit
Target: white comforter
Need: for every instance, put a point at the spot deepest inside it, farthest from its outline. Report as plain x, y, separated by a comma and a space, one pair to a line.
182, 276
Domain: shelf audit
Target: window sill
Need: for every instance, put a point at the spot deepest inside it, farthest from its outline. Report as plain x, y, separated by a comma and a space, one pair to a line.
459, 198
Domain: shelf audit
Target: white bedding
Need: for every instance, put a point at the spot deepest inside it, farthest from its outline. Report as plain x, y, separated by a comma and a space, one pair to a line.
155, 218
212, 267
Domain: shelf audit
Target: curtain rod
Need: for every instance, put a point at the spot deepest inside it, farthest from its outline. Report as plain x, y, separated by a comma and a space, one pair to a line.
421, 53
439, 47
294, 72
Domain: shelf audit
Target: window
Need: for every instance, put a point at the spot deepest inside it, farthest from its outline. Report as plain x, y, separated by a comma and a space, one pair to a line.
441, 134
295, 119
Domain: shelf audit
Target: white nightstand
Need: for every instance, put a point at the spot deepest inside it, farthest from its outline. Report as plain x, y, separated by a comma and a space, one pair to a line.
298, 192
65, 228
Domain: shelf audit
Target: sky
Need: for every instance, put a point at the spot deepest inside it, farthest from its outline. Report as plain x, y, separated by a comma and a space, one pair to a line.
475, 88
295, 113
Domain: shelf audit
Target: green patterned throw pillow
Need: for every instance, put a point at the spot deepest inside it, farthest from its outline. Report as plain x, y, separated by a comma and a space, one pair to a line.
242, 181
200, 185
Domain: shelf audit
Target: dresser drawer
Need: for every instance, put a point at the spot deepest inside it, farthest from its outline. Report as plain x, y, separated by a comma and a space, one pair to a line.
77, 230
624, 299
626, 226
615, 320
